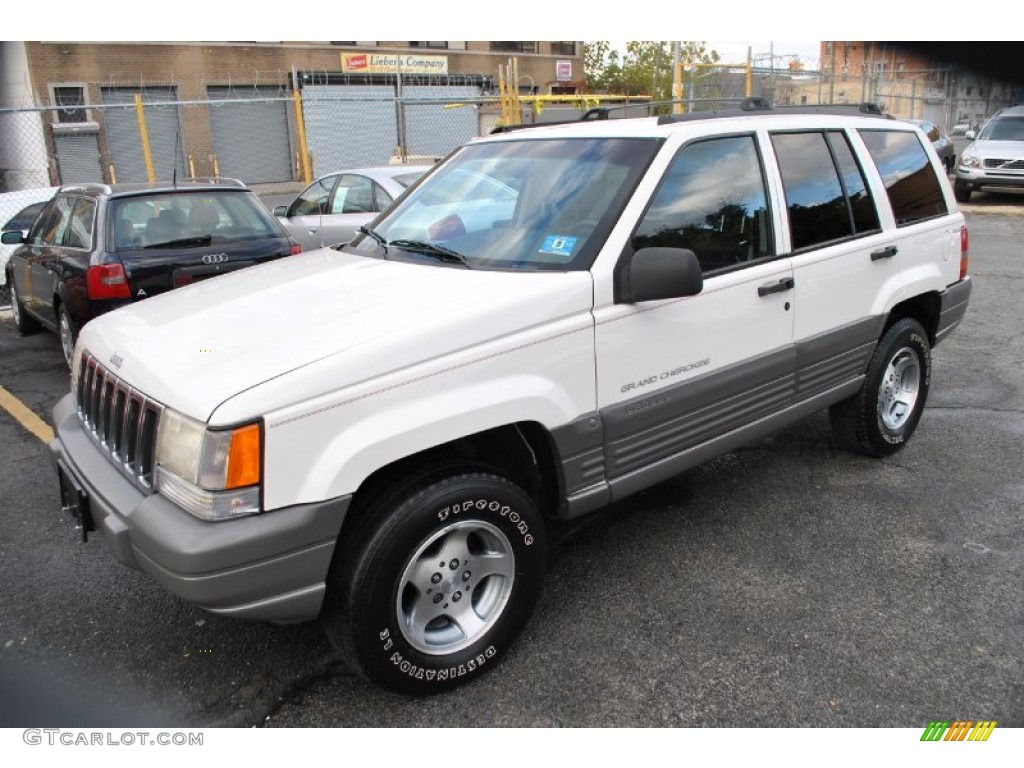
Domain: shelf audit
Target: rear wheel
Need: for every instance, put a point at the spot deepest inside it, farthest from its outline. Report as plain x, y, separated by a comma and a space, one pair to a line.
879, 419
67, 333
437, 583
22, 321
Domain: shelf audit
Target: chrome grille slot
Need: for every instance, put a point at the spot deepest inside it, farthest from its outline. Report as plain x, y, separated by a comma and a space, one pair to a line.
147, 444
115, 434
106, 403
131, 432
119, 419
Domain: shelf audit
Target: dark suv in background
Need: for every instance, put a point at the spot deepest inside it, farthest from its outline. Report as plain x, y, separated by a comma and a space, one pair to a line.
94, 248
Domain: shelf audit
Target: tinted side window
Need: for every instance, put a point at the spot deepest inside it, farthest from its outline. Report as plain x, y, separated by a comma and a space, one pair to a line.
862, 205
814, 197
49, 228
910, 180
827, 198
79, 233
23, 219
713, 202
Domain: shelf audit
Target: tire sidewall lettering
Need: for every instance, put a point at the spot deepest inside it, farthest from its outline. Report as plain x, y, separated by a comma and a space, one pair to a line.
446, 673
504, 511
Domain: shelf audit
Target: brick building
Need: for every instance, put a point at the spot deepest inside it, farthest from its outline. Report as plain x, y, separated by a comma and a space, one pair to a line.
70, 112
922, 81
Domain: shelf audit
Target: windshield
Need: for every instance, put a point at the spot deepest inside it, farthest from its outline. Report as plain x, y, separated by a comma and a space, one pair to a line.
184, 219
1004, 129
531, 204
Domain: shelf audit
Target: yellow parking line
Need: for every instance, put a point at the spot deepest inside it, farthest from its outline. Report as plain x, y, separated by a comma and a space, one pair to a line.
24, 416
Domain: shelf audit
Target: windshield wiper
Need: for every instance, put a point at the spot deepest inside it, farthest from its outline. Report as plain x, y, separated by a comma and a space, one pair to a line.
364, 230
439, 252
183, 242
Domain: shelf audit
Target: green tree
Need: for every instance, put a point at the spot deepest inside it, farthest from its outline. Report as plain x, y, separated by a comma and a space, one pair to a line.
644, 68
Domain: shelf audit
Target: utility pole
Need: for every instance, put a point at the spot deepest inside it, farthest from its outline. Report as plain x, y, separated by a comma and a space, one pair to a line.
677, 78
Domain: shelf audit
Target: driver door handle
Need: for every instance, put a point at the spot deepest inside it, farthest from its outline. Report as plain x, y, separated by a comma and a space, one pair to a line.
786, 284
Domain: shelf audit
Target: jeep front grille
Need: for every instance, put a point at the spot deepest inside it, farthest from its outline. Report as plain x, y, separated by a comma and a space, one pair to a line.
121, 420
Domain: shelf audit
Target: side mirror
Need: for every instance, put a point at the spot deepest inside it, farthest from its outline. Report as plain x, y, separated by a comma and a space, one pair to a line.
653, 274
969, 134
13, 237
281, 210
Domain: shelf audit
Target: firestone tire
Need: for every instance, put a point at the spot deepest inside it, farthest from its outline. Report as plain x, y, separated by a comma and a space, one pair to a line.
879, 419
437, 584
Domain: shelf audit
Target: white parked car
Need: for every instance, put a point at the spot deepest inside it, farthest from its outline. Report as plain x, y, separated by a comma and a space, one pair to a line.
555, 318
18, 210
331, 209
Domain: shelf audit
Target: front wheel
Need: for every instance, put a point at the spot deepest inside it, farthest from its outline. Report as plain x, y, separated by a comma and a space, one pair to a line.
438, 583
879, 419
962, 192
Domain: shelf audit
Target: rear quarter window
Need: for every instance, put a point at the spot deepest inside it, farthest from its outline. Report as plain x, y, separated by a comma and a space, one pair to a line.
913, 188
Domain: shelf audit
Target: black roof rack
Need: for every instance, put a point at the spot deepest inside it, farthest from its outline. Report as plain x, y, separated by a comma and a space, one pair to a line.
744, 106
749, 105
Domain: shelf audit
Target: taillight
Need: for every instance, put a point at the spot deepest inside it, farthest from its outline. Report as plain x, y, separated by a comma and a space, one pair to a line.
964, 248
108, 281
296, 248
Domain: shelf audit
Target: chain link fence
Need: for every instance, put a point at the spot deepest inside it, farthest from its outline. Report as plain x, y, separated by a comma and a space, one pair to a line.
276, 140
272, 140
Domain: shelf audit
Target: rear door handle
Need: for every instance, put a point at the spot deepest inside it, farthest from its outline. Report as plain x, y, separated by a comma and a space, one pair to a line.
884, 253
786, 284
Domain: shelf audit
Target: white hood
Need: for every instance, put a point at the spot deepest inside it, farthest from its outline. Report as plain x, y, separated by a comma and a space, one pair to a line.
196, 347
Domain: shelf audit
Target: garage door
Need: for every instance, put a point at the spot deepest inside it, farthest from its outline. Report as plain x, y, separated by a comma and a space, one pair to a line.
122, 131
250, 137
437, 129
348, 126
78, 158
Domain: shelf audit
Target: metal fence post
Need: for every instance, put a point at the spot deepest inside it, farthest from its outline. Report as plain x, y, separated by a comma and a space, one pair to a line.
300, 125
144, 135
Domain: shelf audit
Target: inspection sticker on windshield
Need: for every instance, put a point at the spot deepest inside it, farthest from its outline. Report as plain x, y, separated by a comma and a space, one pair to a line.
558, 245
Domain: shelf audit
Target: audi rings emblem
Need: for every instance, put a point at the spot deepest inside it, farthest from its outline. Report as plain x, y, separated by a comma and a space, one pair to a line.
215, 258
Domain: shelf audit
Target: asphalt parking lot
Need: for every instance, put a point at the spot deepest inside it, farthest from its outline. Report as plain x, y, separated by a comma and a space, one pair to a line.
786, 584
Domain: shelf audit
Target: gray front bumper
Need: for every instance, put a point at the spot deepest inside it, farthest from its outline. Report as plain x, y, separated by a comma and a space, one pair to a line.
270, 567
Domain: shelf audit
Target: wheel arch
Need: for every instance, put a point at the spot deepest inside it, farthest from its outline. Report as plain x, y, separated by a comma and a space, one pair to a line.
524, 452
925, 308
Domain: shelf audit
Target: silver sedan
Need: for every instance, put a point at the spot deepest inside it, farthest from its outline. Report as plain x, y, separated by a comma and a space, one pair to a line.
331, 209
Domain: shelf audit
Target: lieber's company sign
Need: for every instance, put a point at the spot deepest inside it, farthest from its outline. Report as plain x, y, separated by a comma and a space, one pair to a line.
390, 63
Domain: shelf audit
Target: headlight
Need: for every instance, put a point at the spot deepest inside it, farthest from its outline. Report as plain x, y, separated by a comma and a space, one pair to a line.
214, 474
969, 161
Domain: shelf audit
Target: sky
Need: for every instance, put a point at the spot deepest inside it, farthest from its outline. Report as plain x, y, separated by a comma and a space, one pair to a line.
735, 51
740, 21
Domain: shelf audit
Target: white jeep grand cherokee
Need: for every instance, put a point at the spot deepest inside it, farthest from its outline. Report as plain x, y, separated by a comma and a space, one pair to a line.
382, 434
